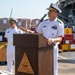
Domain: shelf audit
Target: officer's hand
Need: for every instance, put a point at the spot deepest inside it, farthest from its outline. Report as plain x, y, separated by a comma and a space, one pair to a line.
30, 31
22, 28
26, 30
50, 41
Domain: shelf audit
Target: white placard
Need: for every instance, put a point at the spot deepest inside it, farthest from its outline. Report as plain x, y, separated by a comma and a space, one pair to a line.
72, 46
19, 23
0, 38
67, 41
37, 21
4, 21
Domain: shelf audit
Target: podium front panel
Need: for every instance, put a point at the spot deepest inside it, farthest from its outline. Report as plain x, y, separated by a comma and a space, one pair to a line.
31, 57
45, 61
33, 61
26, 61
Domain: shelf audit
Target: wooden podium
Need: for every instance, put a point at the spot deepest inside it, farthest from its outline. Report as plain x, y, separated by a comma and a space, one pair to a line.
32, 55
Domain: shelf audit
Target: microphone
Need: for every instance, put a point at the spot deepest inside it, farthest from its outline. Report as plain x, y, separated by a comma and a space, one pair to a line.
43, 17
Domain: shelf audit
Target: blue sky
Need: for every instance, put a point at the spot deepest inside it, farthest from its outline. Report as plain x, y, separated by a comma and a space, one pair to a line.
24, 8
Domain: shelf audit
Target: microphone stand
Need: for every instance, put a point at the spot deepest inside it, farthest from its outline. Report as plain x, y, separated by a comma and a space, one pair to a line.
42, 19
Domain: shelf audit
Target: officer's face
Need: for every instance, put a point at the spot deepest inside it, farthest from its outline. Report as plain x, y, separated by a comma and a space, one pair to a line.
12, 24
52, 14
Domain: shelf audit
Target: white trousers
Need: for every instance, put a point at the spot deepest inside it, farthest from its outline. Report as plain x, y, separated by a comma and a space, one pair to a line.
55, 54
10, 57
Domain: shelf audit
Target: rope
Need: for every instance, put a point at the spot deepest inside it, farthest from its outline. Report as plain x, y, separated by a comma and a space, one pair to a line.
2, 46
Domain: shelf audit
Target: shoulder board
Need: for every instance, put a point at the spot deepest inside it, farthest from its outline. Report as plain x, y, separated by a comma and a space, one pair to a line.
59, 20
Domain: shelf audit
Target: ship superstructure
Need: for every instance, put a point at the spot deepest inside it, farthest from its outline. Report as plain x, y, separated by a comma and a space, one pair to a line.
68, 11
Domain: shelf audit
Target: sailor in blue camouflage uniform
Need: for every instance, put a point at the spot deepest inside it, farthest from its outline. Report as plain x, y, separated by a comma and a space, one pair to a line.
53, 30
10, 48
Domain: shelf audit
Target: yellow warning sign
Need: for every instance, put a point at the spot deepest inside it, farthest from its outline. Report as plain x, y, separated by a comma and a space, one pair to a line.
25, 65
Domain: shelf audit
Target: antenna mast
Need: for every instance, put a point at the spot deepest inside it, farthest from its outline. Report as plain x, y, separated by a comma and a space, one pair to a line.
11, 13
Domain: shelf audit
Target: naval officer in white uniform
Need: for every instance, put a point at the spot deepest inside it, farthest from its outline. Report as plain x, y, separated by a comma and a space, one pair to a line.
53, 30
10, 48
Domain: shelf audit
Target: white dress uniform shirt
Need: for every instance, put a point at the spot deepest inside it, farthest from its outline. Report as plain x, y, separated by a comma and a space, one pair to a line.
52, 29
10, 48
9, 33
